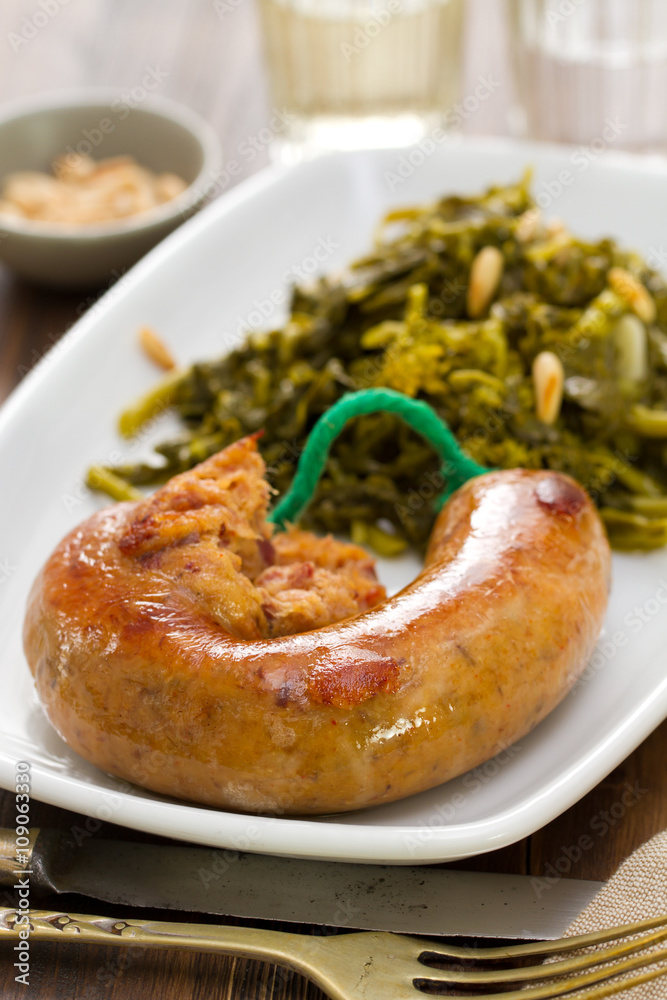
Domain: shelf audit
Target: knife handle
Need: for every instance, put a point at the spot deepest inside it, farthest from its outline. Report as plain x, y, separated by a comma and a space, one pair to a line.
15, 858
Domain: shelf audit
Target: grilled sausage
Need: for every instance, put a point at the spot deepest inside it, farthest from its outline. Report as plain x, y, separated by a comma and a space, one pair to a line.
140, 674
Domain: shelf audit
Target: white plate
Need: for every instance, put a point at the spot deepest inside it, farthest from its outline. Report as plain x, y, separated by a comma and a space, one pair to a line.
198, 289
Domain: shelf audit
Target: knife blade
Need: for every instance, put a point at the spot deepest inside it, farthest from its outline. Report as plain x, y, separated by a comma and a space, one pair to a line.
406, 899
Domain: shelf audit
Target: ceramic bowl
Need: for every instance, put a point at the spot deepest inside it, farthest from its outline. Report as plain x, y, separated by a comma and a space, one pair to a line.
160, 134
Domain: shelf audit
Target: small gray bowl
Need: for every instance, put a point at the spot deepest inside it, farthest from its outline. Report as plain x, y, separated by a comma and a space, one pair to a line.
159, 134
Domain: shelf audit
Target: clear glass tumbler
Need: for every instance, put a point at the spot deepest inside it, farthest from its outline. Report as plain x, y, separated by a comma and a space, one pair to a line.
361, 73
590, 69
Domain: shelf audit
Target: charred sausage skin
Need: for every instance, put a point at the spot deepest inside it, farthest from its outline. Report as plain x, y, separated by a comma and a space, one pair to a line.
461, 663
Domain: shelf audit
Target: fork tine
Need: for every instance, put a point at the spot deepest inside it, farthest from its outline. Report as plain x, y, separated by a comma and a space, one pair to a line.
545, 948
571, 983
527, 973
608, 990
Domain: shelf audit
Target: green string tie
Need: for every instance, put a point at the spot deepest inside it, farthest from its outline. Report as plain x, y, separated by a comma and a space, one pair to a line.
456, 469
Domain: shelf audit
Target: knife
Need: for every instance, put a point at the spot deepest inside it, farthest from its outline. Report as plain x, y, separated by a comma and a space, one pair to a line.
407, 899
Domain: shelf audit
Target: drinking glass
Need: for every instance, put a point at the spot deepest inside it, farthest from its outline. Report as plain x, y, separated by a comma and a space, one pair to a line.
593, 70
362, 73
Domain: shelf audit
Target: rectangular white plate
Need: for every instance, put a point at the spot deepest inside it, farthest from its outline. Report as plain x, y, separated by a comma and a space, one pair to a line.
199, 288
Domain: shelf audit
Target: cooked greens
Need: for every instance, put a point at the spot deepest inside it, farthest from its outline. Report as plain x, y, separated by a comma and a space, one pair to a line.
399, 318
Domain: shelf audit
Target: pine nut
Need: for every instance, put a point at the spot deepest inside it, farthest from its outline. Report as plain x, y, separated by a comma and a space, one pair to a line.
634, 292
155, 348
528, 225
548, 378
555, 227
631, 348
485, 274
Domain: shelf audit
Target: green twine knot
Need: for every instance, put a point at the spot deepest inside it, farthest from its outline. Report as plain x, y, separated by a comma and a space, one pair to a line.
456, 469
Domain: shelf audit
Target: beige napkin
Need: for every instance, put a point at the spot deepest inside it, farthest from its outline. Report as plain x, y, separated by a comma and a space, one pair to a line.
637, 891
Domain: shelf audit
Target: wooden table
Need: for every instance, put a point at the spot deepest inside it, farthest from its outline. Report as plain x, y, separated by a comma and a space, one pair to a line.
212, 61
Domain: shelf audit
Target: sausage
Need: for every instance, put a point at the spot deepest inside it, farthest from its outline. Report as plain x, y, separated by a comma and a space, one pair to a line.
139, 678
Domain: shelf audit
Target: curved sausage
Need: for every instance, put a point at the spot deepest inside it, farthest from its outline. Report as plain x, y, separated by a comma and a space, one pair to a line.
140, 679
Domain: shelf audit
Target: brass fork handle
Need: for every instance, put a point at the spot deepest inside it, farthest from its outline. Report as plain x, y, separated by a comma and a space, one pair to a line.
248, 942
326, 961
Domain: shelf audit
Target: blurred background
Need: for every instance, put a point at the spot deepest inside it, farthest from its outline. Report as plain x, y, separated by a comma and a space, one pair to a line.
208, 54
262, 81
288, 79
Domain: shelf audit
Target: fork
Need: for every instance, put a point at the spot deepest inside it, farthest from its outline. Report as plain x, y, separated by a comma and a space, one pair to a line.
378, 966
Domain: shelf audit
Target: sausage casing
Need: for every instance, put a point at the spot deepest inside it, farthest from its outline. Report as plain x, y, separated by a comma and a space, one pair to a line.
433, 681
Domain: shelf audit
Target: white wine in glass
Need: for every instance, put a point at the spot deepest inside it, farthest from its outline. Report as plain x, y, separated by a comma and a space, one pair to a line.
362, 73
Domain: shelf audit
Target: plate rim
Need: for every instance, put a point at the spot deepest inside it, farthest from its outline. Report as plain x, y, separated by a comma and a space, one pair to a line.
317, 838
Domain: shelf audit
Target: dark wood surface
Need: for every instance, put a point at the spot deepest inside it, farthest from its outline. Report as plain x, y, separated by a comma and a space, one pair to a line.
214, 64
